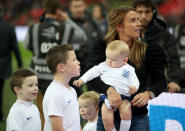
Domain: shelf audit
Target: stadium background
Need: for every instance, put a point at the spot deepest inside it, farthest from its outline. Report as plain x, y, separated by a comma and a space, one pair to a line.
26, 12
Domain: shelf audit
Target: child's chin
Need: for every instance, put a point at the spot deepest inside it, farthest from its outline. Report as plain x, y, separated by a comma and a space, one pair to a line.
84, 118
34, 98
76, 75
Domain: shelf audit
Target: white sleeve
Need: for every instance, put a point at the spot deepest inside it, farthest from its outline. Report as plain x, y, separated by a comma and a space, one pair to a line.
56, 105
15, 121
133, 80
92, 73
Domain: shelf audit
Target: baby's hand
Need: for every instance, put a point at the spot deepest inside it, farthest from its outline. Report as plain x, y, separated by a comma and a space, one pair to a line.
78, 83
132, 90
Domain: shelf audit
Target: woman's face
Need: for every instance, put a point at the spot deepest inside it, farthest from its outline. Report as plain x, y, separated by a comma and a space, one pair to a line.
131, 25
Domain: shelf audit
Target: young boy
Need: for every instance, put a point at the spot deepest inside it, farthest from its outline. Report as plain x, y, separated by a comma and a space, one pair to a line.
60, 105
117, 73
88, 103
24, 115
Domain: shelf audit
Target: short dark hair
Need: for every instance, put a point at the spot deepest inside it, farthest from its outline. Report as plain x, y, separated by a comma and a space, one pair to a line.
75, 0
57, 54
147, 3
18, 77
50, 6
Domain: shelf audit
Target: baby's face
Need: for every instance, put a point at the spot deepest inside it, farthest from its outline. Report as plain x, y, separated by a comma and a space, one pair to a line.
88, 110
113, 59
29, 89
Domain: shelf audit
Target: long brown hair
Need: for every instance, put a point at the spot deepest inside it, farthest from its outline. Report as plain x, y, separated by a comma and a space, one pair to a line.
116, 18
137, 52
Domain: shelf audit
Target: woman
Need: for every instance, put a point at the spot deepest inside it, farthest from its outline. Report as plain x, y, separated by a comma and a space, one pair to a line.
148, 60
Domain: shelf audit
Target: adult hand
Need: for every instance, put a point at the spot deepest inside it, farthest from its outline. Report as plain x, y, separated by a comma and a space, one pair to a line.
141, 99
173, 87
114, 98
61, 16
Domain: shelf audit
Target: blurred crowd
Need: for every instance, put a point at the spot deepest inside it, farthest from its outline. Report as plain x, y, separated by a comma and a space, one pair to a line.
26, 12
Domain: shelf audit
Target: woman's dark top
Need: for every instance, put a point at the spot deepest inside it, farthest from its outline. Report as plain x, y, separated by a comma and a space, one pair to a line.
151, 73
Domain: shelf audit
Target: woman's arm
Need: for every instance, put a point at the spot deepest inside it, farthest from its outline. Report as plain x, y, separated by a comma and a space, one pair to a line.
155, 65
155, 61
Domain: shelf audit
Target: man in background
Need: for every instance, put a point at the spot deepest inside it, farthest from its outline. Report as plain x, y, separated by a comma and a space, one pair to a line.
154, 31
8, 43
78, 13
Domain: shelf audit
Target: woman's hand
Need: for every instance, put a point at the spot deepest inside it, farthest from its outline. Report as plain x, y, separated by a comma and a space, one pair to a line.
114, 98
173, 87
141, 99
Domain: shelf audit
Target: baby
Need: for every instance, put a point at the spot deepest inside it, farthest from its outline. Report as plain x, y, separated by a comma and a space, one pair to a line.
117, 73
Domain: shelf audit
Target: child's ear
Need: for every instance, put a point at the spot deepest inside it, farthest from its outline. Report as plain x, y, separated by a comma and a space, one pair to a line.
60, 67
17, 89
125, 60
97, 108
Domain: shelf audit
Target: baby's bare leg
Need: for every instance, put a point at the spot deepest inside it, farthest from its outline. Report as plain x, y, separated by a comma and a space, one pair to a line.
125, 110
107, 118
126, 115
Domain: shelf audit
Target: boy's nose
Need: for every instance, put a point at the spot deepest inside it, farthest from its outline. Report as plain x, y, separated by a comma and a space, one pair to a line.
78, 61
81, 109
36, 88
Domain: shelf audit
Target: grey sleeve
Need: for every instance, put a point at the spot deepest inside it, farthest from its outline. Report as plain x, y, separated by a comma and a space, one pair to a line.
26, 40
79, 35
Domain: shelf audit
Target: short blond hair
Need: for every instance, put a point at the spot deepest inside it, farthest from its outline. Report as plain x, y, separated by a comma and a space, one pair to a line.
119, 46
91, 96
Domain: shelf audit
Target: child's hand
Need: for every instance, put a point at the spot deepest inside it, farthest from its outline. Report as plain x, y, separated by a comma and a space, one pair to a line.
78, 83
132, 90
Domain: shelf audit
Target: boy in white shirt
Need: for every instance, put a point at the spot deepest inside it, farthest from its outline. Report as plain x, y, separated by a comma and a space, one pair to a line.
24, 115
60, 105
117, 73
88, 104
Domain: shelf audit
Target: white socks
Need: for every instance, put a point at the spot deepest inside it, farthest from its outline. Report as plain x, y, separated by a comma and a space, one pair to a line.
114, 129
125, 125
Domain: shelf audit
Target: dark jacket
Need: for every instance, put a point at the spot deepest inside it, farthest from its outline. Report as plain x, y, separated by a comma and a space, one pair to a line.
157, 33
8, 43
150, 74
179, 34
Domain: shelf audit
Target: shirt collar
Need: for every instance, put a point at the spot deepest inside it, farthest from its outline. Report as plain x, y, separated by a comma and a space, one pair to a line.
24, 102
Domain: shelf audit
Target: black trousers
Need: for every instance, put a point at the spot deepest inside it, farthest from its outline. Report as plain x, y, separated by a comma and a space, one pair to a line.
1, 97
